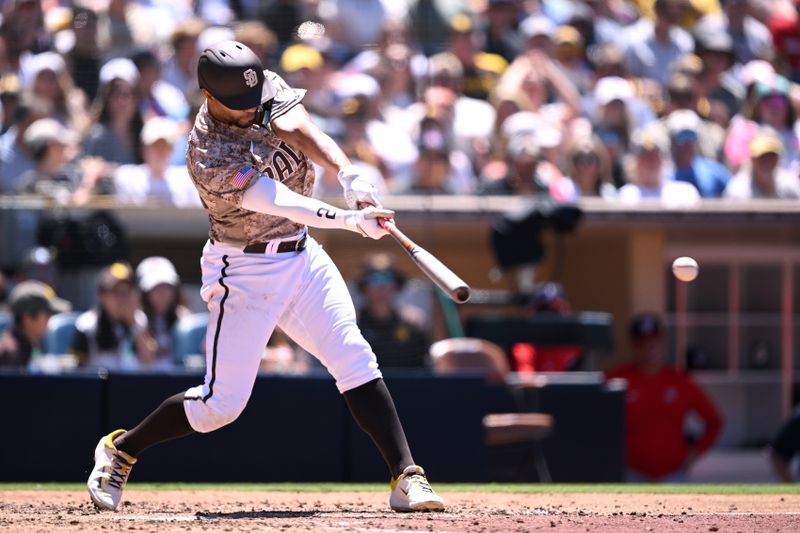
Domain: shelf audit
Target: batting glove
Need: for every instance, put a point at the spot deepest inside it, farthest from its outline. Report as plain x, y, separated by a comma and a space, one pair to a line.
366, 221
357, 190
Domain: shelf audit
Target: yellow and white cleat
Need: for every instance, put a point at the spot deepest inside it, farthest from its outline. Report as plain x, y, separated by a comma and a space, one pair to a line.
411, 492
110, 474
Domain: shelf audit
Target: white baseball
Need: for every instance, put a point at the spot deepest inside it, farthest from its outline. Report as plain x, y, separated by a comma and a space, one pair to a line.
685, 268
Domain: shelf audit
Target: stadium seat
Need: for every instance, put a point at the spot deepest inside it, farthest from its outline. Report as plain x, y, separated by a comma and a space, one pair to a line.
189, 334
470, 354
60, 332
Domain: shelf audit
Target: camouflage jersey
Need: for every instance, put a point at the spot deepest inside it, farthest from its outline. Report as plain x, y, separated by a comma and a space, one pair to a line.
224, 160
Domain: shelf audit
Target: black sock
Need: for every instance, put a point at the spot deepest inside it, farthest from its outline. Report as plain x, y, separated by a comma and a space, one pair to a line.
167, 422
374, 411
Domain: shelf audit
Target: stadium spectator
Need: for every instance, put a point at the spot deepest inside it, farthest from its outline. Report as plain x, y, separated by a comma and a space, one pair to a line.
51, 147
522, 177
718, 85
659, 44
14, 157
32, 303
440, 169
45, 75
658, 401
708, 176
647, 177
180, 70
751, 39
785, 447
115, 136
84, 57
769, 105
305, 66
570, 52
395, 332
683, 93
260, 39
38, 264
501, 35
156, 181
763, 177
9, 99
156, 96
481, 70
114, 333
589, 169
537, 33
161, 301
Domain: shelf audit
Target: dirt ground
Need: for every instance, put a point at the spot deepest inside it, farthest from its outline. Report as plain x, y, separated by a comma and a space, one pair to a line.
235, 511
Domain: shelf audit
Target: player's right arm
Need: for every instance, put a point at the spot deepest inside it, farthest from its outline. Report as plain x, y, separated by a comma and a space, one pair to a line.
273, 198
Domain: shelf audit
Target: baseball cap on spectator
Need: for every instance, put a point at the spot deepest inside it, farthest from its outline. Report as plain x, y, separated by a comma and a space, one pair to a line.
214, 35
119, 68
114, 274
154, 271
535, 26
688, 64
45, 131
461, 23
38, 63
301, 56
524, 146
775, 85
612, 88
32, 296
756, 70
649, 138
568, 39
445, 64
682, 125
765, 143
159, 128
645, 325
715, 40
357, 84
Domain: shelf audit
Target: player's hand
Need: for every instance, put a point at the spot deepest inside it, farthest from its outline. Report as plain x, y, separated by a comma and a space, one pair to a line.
357, 190
367, 221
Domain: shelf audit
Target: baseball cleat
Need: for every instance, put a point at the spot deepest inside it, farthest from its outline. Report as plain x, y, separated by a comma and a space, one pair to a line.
110, 473
412, 492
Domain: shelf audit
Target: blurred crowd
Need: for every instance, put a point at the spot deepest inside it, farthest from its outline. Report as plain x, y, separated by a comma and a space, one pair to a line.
627, 100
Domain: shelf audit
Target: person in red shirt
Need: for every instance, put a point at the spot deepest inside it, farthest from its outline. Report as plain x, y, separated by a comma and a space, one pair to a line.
658, 401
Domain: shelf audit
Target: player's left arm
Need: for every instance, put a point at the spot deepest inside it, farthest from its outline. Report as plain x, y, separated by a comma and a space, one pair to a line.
298, 130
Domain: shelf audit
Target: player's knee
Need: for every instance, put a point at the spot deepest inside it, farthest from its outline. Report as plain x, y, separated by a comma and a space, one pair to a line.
219, 414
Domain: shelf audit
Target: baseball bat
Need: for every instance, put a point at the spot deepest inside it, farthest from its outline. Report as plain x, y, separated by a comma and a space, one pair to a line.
446, 279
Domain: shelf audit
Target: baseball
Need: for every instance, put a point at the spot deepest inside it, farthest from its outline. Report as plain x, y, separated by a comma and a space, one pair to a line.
685, 268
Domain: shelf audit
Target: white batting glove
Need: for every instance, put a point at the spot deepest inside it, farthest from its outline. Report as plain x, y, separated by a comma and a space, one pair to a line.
365, 221
357, 190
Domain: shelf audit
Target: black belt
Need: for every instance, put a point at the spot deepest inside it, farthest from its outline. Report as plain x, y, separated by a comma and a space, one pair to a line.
283, 247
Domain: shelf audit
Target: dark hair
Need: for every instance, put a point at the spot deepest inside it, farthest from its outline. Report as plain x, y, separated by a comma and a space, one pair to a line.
172, 313
102, 116
105, 336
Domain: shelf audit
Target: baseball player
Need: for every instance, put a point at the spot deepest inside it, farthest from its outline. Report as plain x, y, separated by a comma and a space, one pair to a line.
248, 156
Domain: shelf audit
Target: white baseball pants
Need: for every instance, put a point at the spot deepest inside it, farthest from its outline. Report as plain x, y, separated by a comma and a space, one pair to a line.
248, 295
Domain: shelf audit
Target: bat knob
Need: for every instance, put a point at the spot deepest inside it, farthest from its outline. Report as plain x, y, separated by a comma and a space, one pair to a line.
462, 294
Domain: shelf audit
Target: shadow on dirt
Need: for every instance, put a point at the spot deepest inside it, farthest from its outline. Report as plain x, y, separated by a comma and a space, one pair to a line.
252, 515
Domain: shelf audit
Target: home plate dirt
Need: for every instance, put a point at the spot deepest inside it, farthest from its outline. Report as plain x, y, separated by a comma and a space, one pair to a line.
234, 511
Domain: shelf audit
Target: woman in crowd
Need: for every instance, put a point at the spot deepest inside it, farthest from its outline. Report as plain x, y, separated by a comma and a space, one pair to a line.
114, 333
161, 301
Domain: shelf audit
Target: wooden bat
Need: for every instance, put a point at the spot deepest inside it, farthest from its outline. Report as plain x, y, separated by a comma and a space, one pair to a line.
445, 278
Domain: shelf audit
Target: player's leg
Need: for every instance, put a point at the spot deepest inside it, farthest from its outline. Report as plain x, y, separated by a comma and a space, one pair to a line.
322, 320
243, 310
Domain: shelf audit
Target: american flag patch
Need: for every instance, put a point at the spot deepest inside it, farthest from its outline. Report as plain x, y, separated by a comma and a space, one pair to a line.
242, 177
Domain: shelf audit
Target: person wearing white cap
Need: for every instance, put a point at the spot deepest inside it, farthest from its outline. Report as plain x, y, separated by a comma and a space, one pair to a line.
156, 181
48, 143
160, 288
118, 122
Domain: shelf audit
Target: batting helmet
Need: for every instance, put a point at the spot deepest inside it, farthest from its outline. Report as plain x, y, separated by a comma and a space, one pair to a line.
233, 74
